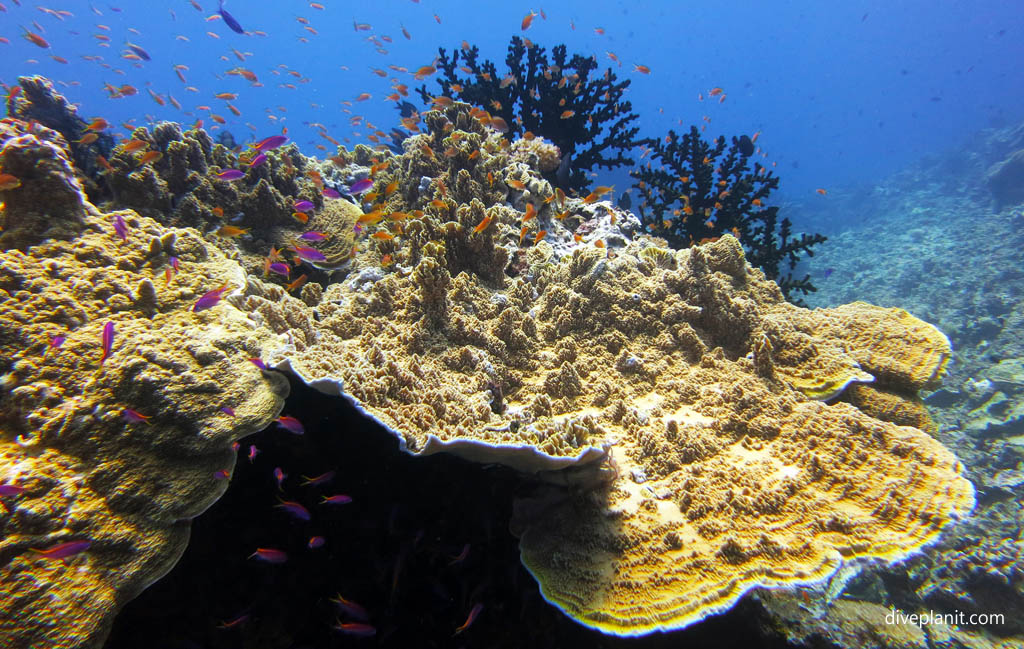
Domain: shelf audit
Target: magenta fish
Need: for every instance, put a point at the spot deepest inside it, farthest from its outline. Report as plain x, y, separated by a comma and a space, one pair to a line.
331, 193
291, 424
316, 542
280, 268
294, 508
134, 417
313, 236
11, 490
228, 410
270, 555
107, 341
210, 299
253, 452
258, 160
55, 343
223, 474
337, 499
175, 264
230, 174
279, 475
309, 254
303, 206
64, 550
318, 480
120, 229
360, 186
350, 608
272, 142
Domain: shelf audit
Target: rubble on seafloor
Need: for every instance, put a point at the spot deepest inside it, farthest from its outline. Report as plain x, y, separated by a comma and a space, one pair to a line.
674, 402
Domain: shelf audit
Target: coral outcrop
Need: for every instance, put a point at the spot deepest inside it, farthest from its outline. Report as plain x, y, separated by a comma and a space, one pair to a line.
119, 402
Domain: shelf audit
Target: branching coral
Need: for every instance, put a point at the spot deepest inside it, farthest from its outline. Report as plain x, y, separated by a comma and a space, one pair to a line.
562, 99
702, 191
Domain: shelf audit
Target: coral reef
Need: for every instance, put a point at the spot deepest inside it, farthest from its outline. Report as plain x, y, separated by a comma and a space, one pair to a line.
701, 191
562, 99
1006, 180
119, 402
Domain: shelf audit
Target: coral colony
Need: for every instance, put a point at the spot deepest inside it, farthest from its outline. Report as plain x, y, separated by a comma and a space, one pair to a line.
461, 296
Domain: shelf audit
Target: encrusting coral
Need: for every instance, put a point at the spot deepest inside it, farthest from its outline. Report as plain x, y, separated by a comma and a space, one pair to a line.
686, 372
119, 402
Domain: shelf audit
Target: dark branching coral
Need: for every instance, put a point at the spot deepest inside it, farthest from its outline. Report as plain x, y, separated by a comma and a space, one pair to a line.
582, 113
704, 190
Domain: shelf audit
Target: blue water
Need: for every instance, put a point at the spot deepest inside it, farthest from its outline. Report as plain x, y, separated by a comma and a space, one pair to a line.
842, 94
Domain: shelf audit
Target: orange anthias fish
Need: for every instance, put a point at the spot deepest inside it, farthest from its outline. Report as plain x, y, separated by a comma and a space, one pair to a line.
482, 225
528, 20
531, 212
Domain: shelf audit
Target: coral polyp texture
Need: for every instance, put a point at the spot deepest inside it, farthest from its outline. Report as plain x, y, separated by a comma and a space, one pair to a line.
684, 392
112, 429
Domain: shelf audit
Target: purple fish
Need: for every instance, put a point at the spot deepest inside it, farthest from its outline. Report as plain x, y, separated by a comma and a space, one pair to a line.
279, 475
228, 410
119, 228
270, 555
253, 452
309, 254
316, 542
828, 271
11, 490
295, 509
303, 206
337, 499
258, 160
357, 629
313, 236
134, 417
350, 608
230, 174
272, 142
56, 342
280, 268
360, 186
229, 20
258, 363
291, 424
64, 550
107, 341
320, 479
209, 299
331, 193
223, 474
175, 264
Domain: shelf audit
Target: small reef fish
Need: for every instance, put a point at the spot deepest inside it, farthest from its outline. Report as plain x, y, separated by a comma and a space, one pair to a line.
313, 235
318, 480
135, 417
350, 608
210, 299
270, 555
142, 54
360, 186
279, 476
291, 424
331, 193
231, 231
228, 410
62, 551
106, 341
257, 160
303, 206
473, 614
259, 363
272, 142
357, 629
222, 474
280, 268
316, 542
821, 191
337, 499
482, 225
229, 20
230, 174
119, 228
294, 508
11, 490
230, 624
9, 182
309, 254
253, 452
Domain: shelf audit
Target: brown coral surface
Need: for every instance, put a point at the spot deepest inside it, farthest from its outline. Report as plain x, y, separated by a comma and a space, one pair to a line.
114, 447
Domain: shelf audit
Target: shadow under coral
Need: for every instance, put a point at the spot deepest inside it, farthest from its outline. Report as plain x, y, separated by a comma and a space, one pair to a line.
395, 550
